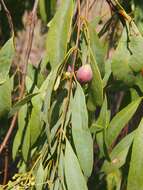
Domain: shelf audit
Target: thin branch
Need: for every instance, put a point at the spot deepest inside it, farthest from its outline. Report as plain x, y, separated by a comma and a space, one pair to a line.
29, 46
8, 16
5, 166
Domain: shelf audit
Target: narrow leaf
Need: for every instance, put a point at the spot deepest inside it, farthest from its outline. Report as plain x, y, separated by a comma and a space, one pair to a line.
84, 144
59, 33
135, 178
73, 174
120, 120
6, 56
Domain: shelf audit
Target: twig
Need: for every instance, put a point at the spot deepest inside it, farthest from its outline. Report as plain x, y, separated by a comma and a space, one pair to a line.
29, 45
5, 167
8, 16
13, 122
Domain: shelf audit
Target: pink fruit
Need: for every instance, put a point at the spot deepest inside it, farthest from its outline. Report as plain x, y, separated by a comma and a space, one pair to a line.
84, 74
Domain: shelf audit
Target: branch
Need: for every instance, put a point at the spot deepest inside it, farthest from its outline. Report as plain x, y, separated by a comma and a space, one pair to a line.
26, 58
8, 16
6, 160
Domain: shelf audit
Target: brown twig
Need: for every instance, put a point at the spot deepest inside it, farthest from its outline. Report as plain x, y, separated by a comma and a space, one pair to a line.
29, 45
8, 16
5, 166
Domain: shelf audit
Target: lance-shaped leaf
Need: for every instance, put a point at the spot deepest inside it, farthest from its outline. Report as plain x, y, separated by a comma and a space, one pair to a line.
120, 62
59, 32
135, 178
6, 56
120, 120
136, 46
73, 174
96, 46
96, 86
81, 133
119, 154
5, 97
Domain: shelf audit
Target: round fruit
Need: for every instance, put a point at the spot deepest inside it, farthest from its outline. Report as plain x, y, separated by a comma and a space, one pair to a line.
84, 74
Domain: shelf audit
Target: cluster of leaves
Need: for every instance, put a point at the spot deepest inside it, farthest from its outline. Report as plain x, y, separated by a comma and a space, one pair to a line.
68, 135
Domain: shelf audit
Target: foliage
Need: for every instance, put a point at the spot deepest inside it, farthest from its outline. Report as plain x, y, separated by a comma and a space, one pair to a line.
68, 135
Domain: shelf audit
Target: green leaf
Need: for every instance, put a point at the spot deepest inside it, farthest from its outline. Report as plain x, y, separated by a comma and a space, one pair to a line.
84, 144
135, 177
42, 10
39, 179
73, 174
120, 62
26, 144
96, 87
79, 110
20, 103
19, 134
5, 97
59, 32
119, 154
107, 72
16, 144
6, 56
136, 46
103, 121
35, 121
114, 180
96, 47
48, 94
35, 125
120, 120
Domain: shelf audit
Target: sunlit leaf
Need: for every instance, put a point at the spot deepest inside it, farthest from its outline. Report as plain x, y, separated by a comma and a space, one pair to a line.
5, 97
6, 56
58, 34
119, 154
84, 144
120, 120
96, 87
135, 177
73, 174
120, 62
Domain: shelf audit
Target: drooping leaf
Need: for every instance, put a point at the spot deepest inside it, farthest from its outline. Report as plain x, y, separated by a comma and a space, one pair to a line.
19, 134
6, 56
5, 97
35, 121
136, 46
42, 10
135, 177
20, 103
96, 87
59, 32
73, 174
120, 62
48, 94
120, 120
84, 144
103, 121
96, 46
39, 179
119, 154
35, 125
107, 72
26, 144
79, 110
114, 180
